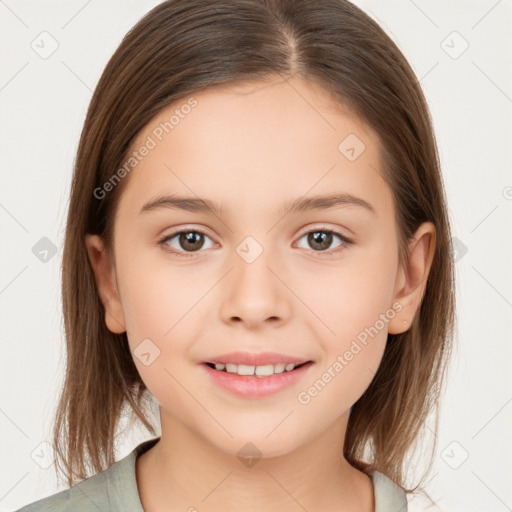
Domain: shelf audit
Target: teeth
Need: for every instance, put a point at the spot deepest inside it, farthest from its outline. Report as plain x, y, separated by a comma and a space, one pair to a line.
259, 371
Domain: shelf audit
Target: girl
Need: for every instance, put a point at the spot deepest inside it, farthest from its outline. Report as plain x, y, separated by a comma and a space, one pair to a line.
296, 352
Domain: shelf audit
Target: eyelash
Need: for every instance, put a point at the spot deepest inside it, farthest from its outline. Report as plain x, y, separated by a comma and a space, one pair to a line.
346, 241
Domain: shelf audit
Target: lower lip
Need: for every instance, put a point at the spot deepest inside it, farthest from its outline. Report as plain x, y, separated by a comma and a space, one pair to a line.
256, 387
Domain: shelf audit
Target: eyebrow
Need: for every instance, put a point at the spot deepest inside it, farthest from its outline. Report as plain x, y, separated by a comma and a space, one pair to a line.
301, 204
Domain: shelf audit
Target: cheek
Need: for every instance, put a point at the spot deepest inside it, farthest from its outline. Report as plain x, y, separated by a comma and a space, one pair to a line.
354, 304
342, 298
167, 305
351, 356
161, 320
164, 307
159, 296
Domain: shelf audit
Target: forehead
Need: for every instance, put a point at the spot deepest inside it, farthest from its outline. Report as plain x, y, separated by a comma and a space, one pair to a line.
249, 143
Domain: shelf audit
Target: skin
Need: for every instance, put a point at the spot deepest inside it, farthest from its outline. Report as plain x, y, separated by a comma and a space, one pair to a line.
252, 148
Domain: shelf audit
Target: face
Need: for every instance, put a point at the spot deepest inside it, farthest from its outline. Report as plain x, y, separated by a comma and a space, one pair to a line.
318, 284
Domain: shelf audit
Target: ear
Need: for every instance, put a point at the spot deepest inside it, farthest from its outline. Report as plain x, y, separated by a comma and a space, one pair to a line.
105, 278
411, 281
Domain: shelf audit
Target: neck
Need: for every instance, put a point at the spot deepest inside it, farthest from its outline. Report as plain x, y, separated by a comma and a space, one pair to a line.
184, 470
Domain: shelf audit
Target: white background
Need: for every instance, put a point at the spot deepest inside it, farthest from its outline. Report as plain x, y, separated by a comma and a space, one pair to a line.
43, 105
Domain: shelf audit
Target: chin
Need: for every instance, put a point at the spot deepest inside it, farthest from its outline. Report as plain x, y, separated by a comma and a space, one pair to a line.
257, 446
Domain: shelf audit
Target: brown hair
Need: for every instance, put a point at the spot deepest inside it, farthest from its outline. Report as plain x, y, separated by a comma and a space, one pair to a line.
182, 46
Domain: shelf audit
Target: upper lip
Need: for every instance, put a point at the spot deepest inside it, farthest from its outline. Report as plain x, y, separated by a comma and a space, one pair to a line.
256, 359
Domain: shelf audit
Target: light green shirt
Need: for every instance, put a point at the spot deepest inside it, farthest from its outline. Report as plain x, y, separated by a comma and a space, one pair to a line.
115, 490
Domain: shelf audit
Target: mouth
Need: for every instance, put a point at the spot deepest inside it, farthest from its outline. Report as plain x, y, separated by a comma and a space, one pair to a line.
255, 382
263, 371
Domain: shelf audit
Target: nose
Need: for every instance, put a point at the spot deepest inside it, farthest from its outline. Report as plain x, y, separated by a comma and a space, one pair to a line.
254, 293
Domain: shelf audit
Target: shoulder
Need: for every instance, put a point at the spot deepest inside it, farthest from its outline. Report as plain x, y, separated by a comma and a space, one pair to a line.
89, 494
112, 490
389, 496
81, 497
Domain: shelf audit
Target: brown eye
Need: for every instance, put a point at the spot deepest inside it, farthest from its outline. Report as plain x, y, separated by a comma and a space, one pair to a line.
191, 240
321, 240
185, 242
